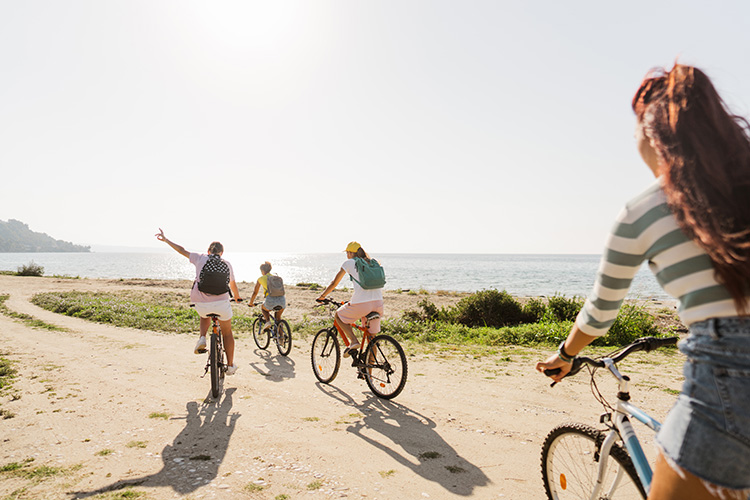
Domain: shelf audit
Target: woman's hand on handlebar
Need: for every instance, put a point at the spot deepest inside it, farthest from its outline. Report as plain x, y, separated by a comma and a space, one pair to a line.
554, 363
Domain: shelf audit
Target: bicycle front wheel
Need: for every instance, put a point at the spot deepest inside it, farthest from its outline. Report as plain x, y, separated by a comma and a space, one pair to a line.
216, 362
325, 355
385, 367
283, 337
261, 336
570, 466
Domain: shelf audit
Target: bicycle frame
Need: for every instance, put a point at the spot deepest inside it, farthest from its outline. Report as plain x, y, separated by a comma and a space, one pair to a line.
366, 335
621, 427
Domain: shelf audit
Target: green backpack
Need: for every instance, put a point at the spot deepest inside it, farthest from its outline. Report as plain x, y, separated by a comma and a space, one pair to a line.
371, 274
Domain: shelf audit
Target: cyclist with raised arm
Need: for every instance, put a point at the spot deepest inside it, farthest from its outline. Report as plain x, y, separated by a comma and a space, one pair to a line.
213, 298
693, 227
363, 301
271, 299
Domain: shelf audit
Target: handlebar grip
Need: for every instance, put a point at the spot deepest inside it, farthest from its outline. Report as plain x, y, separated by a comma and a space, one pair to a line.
553, 371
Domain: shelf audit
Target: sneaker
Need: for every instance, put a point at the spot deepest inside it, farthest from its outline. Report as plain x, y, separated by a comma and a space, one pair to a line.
268, 325
200, 347
352, 349
231, 369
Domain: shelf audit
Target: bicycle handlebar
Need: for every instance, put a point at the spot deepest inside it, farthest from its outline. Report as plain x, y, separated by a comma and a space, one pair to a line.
647, 344
329, 301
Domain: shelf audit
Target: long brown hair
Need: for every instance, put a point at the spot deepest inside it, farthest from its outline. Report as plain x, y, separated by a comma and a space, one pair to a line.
362, 254
705, 151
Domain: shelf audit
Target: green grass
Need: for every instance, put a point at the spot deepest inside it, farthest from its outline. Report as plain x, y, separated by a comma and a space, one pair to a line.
162, 415
155, 311
7, 375
25, 318
25, 470
541, 323
315, 485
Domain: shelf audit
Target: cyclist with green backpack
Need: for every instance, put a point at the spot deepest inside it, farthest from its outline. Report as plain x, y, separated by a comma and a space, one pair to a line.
368, 280
273, 294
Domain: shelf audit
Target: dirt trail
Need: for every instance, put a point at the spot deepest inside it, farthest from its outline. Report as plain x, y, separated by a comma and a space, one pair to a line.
115, 406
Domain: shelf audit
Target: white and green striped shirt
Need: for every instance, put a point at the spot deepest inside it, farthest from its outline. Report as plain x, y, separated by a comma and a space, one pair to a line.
647, 230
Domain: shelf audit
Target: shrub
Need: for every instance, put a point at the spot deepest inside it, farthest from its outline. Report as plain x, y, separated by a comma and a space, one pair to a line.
30, 269
489, 308
631, 323
564, 309
534, 310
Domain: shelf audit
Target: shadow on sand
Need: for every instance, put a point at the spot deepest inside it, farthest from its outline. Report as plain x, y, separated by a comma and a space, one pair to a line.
414, 442
276, 368
194, 457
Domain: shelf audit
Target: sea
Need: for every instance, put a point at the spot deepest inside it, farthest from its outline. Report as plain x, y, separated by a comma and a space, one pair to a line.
518, 274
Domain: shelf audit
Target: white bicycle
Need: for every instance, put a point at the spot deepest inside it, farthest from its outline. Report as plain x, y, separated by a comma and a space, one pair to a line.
581, 462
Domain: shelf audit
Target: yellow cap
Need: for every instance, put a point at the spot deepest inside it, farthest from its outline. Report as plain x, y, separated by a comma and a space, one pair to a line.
353, 246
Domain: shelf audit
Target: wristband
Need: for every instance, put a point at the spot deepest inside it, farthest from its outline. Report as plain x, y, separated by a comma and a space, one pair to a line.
564, 356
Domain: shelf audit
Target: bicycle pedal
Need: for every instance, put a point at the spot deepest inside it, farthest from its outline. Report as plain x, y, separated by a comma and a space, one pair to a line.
202, 351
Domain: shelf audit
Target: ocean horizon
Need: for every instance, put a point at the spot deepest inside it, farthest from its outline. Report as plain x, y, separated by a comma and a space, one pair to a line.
518, 274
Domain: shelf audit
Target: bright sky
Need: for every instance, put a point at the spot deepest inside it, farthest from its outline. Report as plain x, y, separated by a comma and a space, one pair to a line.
297, 126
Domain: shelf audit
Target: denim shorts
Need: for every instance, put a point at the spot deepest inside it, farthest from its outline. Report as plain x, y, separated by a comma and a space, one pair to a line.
707, 432
271, 302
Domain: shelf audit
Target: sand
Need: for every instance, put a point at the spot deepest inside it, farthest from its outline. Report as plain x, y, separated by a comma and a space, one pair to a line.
115, 407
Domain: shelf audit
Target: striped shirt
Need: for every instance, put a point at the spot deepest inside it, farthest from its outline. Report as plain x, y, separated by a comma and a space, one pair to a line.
646, 230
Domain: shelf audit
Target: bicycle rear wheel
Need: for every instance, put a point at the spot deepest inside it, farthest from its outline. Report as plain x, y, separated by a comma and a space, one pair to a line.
326, 355
216, 357
385, 367
260, 335
283, 337
570, 466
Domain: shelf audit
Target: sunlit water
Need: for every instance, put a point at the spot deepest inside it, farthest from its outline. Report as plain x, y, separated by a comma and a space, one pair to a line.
518, 274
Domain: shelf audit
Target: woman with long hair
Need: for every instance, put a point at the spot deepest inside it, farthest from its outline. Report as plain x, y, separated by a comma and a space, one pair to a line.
693, 227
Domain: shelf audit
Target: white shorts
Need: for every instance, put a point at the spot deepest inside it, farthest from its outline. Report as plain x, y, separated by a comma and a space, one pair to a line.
221, 307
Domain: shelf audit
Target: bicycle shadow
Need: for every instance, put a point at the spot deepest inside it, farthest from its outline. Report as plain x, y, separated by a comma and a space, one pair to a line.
276, 368
193, 458
423, 449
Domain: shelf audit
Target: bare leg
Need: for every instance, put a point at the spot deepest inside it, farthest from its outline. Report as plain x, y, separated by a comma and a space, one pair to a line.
667, 484
205, 323
347, 330
278, 314
266, 313
226, 335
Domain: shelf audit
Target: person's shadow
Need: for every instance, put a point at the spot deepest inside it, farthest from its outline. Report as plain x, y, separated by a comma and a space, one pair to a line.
416, 444
194, 457
276, 368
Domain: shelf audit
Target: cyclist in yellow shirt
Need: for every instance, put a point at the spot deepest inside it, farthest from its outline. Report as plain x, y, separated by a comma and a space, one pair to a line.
270, 301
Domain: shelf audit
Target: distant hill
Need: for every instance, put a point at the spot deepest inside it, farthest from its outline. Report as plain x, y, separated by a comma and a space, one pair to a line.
15, 236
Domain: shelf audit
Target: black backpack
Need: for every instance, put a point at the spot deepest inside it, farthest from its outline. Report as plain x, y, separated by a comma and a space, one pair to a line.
214, 277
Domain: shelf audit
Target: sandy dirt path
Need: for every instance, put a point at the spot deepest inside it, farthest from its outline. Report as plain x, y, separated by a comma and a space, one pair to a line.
115, 407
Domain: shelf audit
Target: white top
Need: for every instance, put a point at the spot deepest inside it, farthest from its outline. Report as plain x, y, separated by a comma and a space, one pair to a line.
199, 260
360, 294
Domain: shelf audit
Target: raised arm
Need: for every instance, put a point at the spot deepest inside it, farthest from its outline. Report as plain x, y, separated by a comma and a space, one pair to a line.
179, 249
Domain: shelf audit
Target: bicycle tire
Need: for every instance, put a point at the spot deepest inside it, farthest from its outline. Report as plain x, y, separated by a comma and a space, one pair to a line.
283, 337
570, 466
216, 366
260, 335
325, 355
385, 367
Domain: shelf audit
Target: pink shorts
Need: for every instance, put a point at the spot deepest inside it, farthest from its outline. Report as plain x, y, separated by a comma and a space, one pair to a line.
349, 313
